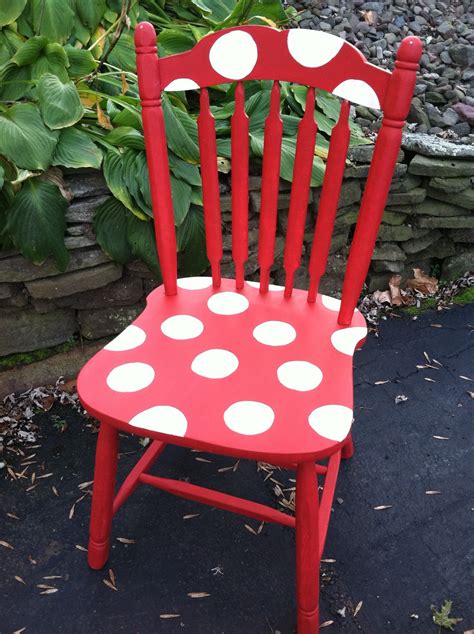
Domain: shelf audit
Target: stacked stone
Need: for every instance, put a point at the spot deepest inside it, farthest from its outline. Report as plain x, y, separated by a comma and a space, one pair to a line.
443, 100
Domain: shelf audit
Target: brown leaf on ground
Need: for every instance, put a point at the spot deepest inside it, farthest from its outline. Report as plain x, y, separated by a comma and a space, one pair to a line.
48, 402
382, 297
69, 387
423, 283
198, 595
109, 585
170, 616
103, 119
20, 580
6, 545
394, 286
358, 607
382, 507
125, 540
326, 624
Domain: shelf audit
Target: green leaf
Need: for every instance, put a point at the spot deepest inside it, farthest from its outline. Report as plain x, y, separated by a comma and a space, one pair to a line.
53, 59
90, 12
191, 242
15, 83
59, 103
53, 18
29, 50
181, 131
215, 11
181, 193
110, 228
115, 176
24, 139
76, 149
184, 171
36, 222
11, 10
123, 53
141, 238
175, 41
81, 61
127, 137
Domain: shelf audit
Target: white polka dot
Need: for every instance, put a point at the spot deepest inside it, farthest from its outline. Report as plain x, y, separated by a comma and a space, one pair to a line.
130, 338
183, 83
215, 364
194, 283
130, 377
359, 92
313, 48
249, 417
271, 287
161, 418
331, 303
299, 375
234, 55
274, 333
227, 303
346, 339
182, 327
331, 421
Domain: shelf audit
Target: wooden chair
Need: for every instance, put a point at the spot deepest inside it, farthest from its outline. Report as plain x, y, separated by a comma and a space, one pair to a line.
241, 368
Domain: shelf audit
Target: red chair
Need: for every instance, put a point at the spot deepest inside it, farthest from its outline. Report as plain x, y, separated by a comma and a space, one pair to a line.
234, 367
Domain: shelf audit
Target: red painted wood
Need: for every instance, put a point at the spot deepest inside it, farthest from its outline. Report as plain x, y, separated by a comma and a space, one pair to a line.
210, 186
348, 449
327, 498
219, 500
397, 104
103, 496
150, 86
275, 62
300, 192
270, 187
329, 200
307, 549
240, 185
132, 480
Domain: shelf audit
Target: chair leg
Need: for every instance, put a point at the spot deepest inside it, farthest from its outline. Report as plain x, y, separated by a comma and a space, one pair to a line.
103, 496
348, 448
307, 548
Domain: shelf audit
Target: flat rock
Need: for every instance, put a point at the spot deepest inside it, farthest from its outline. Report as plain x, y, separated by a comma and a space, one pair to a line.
86, 184
455, 222
107, 321
83, 210
430, 145
350, 194
462, 235
457, 265
435, 166
442, 248
431, 207
393, 217
450, 185
125, 291
364, 153
388, 251
419, 244
362, 171
416, 195
380, 266
19, 269
410, 181
399, 234
75, 282
6, 290
463, 198
25, 330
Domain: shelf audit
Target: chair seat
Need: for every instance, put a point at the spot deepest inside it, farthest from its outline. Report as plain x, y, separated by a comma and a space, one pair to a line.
239, 373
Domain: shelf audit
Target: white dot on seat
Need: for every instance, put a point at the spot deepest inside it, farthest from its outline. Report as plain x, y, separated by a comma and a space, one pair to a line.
194, 283
227, 303
161, 418
182, 83
299, 375
274, 333
313, 48
331, 303
331, 421
249, 417
130, 338
182, 327
215, 363
346, 339
234, 55
130, 377
359, 92
271, 287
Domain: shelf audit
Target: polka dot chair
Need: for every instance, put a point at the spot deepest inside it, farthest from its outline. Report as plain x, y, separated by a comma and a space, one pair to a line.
240, 368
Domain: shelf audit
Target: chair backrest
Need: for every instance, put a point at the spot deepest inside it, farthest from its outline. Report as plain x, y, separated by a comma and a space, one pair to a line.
311, 58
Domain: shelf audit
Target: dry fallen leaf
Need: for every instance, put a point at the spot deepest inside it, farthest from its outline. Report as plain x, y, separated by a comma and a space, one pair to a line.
13, 516
326, 624
125, 85
358, 607
432, 492
190, 516
401, 398
466, 378
169, 616
109, 585
18, 578
49, 591
24, 628
53, 577
71, 512
125, 540
79, 547
471, 394
6, 545
382, 507
328, 561
250, 529
381, 382
198, 595
394, 286
55, 491
423, 283
441, 437
199, 459
103, 119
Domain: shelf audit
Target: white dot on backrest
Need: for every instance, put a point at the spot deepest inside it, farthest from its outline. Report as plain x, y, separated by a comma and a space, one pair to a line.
182, 327
130, 338
346, 339
215, 363
274, 333
130, 377
359, 92
227, 303
161, 418
313, 48
331, 421
183, 83
271, 287
234, 55
331, 303
301, 376
249, 417
194, 283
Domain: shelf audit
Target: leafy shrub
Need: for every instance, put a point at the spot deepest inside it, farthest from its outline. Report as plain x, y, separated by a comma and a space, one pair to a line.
69, 97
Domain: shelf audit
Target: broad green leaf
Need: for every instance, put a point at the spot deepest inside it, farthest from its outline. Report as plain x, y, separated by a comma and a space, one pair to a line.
24, 139
15, 82
53, 18
127, 137
191, 243
52, 59
123, 53
90, 12
181, 130
81, 61
181, 193
129, 118
2, 176
215, 11
10, 42
113, 167
110, 227
141, 238
59, 103
29, 50
76, 149
36, 222
10, 10
184, 171
175, 41
9, 170
271, 9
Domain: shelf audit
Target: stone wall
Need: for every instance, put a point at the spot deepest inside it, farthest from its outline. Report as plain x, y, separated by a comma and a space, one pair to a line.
428, 220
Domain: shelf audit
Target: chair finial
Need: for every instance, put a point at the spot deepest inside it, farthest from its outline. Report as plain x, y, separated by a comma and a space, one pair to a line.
410, 50
145, 35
